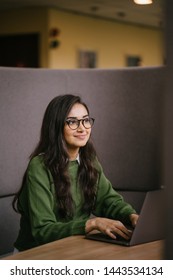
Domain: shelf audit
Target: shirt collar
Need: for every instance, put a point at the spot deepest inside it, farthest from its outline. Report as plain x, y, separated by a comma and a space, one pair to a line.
78, 159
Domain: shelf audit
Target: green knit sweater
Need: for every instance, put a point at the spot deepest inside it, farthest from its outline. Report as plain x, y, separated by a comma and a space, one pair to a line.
39, 218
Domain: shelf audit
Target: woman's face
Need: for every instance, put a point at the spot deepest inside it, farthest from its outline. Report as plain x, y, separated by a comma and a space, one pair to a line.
76, 137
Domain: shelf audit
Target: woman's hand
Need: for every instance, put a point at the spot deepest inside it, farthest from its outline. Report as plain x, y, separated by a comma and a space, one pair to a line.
109, 227
134, 219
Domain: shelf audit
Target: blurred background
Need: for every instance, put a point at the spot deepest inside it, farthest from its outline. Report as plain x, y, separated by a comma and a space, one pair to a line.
68, 34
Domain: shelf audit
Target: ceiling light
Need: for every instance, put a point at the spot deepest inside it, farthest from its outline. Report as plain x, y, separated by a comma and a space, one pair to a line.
143, 2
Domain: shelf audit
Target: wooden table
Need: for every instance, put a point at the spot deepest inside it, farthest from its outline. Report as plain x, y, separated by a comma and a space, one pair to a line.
79, 248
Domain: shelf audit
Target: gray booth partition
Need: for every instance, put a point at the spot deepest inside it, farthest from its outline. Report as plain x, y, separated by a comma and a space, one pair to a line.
127, 106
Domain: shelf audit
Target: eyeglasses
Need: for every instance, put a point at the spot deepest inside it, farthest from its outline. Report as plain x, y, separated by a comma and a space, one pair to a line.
74, 123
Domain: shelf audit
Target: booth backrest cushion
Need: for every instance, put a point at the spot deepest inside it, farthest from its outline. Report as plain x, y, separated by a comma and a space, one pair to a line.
126, 104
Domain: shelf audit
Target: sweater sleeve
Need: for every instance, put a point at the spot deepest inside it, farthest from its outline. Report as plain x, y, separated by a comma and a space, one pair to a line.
110, 203
45, 226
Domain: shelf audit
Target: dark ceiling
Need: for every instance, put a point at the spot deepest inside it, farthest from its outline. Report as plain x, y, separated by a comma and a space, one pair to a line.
120, 10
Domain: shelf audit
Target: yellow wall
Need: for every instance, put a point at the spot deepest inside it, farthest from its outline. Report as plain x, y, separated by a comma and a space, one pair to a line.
111, 41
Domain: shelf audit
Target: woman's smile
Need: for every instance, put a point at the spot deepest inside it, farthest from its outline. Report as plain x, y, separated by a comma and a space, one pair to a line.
81, 136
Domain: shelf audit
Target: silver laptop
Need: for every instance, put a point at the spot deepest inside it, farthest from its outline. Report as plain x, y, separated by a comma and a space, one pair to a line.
150, 225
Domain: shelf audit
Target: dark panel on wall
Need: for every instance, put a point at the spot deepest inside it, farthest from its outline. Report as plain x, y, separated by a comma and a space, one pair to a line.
19, 50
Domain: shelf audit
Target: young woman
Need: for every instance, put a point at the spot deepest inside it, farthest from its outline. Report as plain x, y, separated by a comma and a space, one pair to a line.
64, 182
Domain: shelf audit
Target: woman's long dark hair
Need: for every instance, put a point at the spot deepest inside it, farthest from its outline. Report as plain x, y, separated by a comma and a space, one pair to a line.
53, 149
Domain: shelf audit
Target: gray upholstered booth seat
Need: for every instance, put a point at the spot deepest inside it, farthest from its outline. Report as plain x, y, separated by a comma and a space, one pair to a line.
9, 225
126, 104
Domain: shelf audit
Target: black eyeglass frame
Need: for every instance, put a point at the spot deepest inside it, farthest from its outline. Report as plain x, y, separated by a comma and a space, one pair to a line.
78, 121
